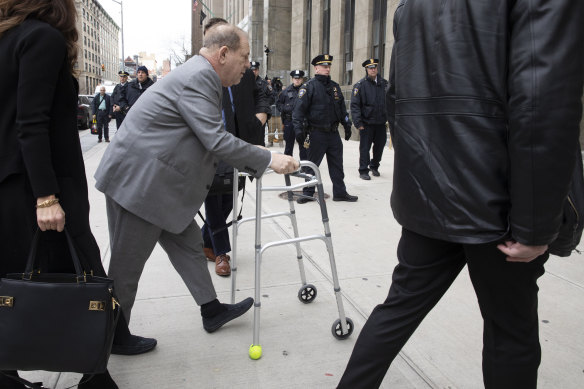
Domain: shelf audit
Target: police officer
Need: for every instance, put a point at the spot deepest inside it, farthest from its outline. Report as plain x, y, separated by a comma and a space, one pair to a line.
118, 98
285, 105
266, 90
320, 103
369, 116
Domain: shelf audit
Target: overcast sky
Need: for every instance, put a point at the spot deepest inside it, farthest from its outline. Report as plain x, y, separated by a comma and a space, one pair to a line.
153, 26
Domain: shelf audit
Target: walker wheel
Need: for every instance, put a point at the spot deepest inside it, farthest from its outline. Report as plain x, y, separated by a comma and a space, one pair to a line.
338, 331
307, 293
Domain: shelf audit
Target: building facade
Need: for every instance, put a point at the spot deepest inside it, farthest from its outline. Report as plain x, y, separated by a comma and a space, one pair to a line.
98, 58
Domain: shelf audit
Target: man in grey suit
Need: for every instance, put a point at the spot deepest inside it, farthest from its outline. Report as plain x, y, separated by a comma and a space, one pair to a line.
158, 170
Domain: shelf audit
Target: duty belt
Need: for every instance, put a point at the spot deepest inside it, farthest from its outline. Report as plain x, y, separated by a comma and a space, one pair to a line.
323, 129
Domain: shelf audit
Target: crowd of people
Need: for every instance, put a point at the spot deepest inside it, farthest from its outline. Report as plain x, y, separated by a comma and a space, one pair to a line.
485, 103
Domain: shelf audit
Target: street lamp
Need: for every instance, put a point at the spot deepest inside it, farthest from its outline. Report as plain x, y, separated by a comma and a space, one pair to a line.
121, 3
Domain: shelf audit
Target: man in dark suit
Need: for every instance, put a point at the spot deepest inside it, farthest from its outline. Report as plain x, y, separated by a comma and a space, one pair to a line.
102, 109
245, 107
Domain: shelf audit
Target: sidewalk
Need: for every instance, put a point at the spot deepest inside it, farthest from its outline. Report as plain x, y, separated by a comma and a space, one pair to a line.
299, 350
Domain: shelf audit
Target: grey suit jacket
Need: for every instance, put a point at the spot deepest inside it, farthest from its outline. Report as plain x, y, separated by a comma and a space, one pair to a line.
161, 163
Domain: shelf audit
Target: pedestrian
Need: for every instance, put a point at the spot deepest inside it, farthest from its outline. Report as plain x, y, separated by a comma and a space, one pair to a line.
484, 106
285, 105
42, 174
118, 98
267, 91
369, 117
167, 154
321, 105
101, 110
136, 87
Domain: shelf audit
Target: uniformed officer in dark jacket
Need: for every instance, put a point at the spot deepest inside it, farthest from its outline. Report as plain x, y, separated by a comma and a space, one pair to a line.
369, 117
322, 107
137, 86
285, 105
118, 98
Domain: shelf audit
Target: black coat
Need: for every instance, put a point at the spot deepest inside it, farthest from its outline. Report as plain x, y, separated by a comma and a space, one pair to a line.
484, 116
118, 96
286, 101
321, 104
134, 90
97, 101
40, 153
249, 99
368, 102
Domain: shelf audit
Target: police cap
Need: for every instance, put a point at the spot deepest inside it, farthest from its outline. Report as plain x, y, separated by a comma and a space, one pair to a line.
253, 65
322, 59
297, 73
123, 73
371, 63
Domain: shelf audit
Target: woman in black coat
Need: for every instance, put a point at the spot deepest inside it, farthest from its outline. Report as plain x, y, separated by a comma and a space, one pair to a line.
41, 162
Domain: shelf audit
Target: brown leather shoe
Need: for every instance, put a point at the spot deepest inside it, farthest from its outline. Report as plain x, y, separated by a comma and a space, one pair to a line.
222, 267
209, 254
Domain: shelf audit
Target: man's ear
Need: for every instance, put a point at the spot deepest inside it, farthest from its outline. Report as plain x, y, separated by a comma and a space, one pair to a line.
223, 54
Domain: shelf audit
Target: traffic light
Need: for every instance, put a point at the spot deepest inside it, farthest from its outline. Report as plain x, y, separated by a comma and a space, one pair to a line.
102, 67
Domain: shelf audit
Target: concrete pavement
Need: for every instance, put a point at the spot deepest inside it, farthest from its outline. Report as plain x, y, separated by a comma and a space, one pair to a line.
298, 348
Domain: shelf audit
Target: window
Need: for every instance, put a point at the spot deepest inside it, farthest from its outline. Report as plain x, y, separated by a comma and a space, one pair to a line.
326, 26
378, 41
307, 35
349, 34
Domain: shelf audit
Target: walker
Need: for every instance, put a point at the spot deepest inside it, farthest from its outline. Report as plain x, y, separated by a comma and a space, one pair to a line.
342, 327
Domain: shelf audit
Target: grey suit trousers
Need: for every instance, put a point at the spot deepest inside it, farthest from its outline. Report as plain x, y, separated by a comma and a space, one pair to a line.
132, 240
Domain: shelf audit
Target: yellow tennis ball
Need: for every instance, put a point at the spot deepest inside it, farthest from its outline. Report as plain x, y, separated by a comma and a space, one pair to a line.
255, 351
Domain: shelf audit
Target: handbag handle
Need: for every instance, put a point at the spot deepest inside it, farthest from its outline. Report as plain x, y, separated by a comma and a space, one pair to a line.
32, 256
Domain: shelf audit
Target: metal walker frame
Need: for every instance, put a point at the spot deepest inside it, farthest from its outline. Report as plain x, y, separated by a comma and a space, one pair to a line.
342, 327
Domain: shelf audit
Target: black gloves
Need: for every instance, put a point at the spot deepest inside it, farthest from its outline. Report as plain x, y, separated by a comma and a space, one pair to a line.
348, 132
300, 137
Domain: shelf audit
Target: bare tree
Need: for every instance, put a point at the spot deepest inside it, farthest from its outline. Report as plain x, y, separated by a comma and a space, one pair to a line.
180, 51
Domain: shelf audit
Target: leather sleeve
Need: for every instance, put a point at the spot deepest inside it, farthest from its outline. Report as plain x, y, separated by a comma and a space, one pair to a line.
545, 78
41, 54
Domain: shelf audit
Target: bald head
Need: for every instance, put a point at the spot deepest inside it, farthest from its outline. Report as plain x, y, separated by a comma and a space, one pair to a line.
226, 47
223, 35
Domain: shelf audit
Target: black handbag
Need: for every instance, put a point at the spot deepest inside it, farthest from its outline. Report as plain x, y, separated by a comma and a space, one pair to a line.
56, 322
223, 180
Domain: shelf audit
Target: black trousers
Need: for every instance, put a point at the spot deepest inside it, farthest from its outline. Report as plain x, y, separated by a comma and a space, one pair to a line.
214, 231
507, 297
290, 139
329, 144
103, 123
372, 134
119, 119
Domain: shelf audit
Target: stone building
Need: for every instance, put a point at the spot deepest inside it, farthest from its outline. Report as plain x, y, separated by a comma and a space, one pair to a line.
295, 31
98, 59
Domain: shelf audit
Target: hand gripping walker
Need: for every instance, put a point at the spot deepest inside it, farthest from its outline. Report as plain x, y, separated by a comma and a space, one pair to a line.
342, 327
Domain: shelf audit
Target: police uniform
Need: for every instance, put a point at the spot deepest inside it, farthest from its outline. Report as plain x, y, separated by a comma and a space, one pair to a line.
118, 98
321, 105
369, 116
285, 105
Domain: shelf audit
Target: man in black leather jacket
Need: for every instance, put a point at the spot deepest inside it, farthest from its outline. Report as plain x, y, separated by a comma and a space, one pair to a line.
484, 105
321, 105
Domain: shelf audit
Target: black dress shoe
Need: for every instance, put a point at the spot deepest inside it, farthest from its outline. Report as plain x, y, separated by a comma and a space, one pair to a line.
98, 381
364, 176
375, 172
305, 199
134, 345
346, 197
212, 324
